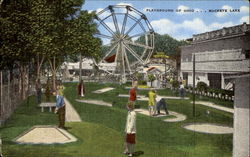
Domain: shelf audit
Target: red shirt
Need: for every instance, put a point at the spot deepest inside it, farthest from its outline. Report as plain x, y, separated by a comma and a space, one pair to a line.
132, 94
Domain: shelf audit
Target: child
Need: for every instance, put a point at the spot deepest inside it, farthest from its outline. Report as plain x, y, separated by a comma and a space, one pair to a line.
130, 130
151, 102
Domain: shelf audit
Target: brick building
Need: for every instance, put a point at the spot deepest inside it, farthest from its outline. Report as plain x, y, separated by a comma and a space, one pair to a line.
218, 54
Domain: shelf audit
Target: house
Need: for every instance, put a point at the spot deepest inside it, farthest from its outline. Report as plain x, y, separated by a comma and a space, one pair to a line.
217, 54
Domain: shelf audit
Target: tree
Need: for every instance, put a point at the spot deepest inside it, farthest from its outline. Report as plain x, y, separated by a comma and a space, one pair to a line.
80, 37
62, 30
151, 78
163, 56
15, 33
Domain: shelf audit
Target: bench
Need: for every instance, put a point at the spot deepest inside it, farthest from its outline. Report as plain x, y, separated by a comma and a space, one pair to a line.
47, 104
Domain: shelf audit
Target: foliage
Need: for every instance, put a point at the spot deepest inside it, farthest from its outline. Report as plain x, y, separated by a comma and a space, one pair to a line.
151, 77
15, 33
202, 86
167, 44
175, 84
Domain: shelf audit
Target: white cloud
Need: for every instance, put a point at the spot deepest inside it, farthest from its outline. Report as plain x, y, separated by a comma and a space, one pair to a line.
244, 9
244, 19
196, 25
121, 3
217, 25
181, 9
186, 28
223, 14
164, 26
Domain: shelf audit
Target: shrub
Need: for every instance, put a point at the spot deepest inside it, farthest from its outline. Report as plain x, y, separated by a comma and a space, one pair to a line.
202, 86
175, 84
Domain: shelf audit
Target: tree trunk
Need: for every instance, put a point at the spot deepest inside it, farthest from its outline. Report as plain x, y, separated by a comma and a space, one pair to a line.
24, 81
39, 65
53, 70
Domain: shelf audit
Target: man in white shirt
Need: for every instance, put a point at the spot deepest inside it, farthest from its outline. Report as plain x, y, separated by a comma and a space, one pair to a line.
130, 130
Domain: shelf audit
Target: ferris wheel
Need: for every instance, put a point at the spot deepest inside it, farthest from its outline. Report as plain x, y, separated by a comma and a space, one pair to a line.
128, 39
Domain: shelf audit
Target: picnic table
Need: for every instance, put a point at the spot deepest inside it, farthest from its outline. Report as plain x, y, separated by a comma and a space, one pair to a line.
48, 105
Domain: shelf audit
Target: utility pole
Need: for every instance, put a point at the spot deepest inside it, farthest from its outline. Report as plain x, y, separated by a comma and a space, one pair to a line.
193, 85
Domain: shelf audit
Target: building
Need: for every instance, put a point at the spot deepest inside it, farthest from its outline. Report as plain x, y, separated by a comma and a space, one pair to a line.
217, 54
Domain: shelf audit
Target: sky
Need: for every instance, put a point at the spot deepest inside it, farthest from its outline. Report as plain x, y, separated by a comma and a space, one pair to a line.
178, 24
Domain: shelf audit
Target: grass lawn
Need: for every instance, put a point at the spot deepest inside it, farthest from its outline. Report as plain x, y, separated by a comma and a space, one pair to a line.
101, 132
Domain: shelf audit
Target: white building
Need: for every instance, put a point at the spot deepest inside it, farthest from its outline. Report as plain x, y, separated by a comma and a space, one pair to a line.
217, 54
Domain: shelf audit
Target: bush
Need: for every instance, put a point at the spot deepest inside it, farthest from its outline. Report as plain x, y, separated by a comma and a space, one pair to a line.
142, 82
202, 86
175, 84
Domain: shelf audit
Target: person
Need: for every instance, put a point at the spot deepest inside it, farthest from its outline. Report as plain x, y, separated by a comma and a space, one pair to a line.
171, 81
151, 102
130, 130
132, 94
81, 89
161, 103
60, 109
60, 89
38, 91
182, 90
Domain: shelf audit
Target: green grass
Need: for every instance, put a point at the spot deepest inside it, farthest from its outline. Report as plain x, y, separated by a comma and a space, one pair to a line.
102, 131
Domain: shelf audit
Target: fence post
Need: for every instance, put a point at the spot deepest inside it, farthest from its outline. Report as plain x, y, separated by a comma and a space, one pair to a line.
9, 100
1, 97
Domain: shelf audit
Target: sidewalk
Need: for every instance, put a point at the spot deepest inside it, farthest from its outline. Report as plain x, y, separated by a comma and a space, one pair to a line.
218, 107
71, 114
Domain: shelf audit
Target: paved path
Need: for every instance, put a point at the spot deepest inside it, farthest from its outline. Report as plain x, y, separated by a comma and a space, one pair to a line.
209, 128
178, 117
103, 90
71, 114
144, 98
210, 104
96, 102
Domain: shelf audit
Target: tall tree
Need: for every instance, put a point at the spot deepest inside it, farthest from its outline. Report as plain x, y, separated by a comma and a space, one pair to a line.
15, 38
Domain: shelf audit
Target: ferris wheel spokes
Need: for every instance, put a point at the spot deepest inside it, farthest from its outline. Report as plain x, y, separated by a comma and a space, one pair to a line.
124, 23
108, 29
133, 27
103, 35
133, 53
130, 39
114, 19
135, 19
108, 53
138, 44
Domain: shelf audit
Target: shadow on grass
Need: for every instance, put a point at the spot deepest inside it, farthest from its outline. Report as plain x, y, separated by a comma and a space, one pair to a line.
138, 153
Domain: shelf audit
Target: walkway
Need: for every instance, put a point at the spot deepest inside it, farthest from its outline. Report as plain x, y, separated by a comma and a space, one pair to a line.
178, 117
210, 104
144, 98
96, 102
71, 114
209, 128
103, 90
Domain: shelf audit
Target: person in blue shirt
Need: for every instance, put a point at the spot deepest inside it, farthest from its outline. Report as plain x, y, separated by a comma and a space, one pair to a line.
60, 109
161, 103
